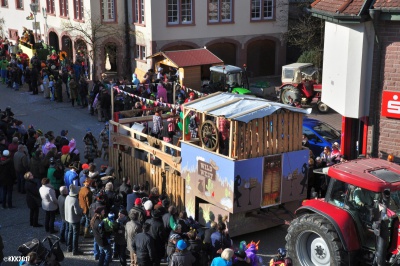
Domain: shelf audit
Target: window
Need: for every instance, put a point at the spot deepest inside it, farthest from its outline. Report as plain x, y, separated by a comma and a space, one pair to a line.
140, 52
262, 9
4, 3
108, 10
179, 12
219, 11
20, 4
50, 7
139, 12
78, 10
64, 10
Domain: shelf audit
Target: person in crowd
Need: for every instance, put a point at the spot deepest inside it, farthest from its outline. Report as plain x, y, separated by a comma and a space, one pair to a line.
240, 259
83, 91
225, 259
36, 166
85, 200
326, 156
143, 247
101, 236
105, 105
132, 228
195, 246
157, 232
119, 237
33, 199
64, 138
21, 166
131, 197
135, 80
73, 214
65, 157
84, 174
71, 176
182, 220
335, 154
147, 206
220, 240
55, 174
171, 245
90, 141
182, 257
124, 190
13, 147
58, 89
138, 208
74, 154
166, 219
7, 179
157, 124
73, 87
61, 205
104, 137
49, 205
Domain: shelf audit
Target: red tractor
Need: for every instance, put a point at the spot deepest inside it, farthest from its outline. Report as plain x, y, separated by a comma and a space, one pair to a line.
356, 223
300, 83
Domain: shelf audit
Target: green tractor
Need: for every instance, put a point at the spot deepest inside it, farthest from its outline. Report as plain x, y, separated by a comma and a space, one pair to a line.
227, 78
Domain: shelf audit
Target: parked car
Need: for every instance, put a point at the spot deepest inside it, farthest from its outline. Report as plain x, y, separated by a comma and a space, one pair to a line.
319, 135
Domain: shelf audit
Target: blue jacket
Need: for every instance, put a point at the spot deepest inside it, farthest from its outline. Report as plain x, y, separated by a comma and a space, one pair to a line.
218, 261
71, 177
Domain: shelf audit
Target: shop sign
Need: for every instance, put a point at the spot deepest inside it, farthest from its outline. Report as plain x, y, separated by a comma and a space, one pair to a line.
391, 104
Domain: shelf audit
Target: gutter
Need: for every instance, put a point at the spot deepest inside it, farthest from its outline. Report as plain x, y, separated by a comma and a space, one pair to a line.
337, 18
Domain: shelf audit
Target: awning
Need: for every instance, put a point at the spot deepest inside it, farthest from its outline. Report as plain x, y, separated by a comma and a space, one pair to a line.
243, 108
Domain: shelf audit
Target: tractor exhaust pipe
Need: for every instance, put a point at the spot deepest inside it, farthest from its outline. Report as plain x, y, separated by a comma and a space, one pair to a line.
381, 230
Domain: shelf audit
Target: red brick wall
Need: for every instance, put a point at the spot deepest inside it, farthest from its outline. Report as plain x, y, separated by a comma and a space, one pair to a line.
384, 133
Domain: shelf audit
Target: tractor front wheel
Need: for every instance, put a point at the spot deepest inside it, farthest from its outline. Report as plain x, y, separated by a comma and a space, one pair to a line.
312, 240
322, 107
291, 91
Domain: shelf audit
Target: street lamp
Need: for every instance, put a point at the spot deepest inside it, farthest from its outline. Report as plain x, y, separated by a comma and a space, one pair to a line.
44, 10
34, 9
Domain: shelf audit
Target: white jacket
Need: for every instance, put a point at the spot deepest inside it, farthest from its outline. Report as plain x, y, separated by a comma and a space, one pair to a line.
49, 199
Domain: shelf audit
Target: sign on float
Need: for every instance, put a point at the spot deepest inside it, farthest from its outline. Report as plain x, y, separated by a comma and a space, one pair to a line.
391, 104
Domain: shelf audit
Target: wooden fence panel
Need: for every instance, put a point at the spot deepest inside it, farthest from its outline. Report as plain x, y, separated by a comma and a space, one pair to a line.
139, 172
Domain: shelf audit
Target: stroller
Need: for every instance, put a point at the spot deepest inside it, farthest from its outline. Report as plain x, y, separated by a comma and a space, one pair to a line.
46, 257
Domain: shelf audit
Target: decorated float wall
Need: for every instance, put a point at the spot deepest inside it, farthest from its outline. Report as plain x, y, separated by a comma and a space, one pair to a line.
240, 186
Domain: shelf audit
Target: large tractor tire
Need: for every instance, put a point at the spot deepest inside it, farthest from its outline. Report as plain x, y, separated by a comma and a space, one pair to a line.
289, 90
312, 241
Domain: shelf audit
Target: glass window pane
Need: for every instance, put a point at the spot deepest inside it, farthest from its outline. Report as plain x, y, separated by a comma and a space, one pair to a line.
142, 11
213, 10
143, 53
173, 11
137, 51
226, 10
268, 8
186, 11
256, 9
136, 16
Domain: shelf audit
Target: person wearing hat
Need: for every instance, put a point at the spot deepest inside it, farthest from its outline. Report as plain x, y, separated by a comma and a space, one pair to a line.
85, 200
61, 207
104, 137
182, 256
138, 208
143, 247
132, 228
71, 176
7, 178
49, 205
73, 214
119, 236
84, 174
33, 199
157, 232
241, 259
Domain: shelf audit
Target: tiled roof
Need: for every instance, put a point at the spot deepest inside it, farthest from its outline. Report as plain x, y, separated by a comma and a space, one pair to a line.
351, 7
193, 57
344, 7
389, 4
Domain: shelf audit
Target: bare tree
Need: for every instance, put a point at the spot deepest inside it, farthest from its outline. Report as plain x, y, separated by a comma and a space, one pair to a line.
92, 32
2, 31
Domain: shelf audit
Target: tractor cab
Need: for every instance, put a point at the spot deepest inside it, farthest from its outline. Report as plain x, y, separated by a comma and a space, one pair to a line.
361, 207
298, 72
229, 78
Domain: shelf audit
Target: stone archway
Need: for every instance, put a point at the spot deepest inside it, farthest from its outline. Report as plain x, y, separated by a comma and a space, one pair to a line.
53, 40
179, 47
110, 57
66, 44
225, 51
261, 57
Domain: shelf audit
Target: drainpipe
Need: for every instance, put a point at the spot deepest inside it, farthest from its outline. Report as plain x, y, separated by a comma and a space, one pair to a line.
127, 59
374, 14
